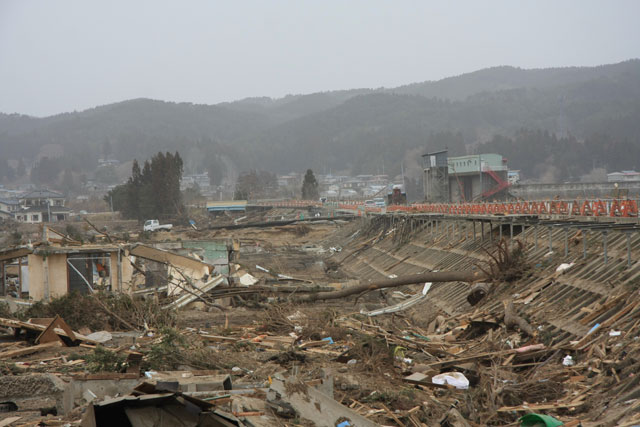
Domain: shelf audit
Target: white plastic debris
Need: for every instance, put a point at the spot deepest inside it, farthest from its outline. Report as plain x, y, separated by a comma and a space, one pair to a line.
456, 379
426, 288
568, 361
296, 316
89, 396
248, 280
564, 267
352, 362
262, 268
101, 336
393, 276
614, 333
409, 302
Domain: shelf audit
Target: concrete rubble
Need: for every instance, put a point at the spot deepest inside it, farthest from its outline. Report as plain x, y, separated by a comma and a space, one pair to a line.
241, 327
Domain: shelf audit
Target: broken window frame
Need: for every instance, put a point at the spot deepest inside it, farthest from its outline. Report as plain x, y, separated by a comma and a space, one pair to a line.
105, 258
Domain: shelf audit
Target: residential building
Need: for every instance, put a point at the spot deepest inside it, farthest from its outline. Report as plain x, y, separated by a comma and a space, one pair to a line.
40, 206
624, 176
199, 179
8, 208
107, 162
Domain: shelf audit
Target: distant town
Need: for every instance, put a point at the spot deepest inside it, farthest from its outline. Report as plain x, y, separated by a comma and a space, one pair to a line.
479, 177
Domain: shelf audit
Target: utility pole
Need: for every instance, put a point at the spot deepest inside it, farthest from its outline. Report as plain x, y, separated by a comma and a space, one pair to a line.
404, 187
481, 187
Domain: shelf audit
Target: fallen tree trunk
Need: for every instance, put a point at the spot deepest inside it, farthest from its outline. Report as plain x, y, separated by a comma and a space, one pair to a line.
439, 276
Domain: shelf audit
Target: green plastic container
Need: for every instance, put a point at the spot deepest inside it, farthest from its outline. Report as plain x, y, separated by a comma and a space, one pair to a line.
539, 419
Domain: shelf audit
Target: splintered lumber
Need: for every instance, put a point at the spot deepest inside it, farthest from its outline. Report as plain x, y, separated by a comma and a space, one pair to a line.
489, 355
439, 276
17, 324
541, 406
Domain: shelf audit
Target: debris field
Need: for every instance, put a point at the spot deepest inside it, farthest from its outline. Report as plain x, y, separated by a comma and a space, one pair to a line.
386, 320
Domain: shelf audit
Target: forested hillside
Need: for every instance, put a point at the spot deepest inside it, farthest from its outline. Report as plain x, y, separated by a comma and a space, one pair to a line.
550, 123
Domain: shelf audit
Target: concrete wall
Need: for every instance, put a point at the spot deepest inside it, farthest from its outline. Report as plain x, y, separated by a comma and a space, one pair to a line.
58, 277
56, 280
127, 273
584, 190
100, 388
36, 391
477, 187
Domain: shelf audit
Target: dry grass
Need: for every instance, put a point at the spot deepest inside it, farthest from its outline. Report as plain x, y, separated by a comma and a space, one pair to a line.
372, 354
498, 387
175, 350
101, 311
282, 319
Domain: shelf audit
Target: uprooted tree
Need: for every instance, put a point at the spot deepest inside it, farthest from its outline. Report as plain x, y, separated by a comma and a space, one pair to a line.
436, 276
505, 264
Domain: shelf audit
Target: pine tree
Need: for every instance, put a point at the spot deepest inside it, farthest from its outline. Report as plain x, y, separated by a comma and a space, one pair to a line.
153, 192
309, 186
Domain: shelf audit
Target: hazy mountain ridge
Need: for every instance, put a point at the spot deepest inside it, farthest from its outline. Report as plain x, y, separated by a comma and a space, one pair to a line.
360, 129
508, 77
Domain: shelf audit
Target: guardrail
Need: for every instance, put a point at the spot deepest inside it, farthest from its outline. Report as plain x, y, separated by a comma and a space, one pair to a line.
625, 208
592, 208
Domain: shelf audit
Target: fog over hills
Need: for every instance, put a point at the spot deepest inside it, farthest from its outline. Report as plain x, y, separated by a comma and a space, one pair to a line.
594, 112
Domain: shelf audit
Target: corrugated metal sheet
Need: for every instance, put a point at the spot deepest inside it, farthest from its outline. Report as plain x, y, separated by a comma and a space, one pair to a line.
228, 205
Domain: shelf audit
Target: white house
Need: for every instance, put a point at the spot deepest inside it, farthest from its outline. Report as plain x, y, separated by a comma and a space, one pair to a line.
41, 206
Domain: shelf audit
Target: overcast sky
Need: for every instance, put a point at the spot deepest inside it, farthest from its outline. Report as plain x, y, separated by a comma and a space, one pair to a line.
58, 56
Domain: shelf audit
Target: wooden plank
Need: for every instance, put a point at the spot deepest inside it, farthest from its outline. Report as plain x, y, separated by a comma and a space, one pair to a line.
11, 343
541, 406
42, 321
218, 338
610, 321
29, 350
584, 341
451, 362
603, 308
107, 376
9, 421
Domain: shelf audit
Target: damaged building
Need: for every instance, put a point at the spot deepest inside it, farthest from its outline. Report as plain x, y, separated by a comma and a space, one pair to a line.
465, 178
58, 265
